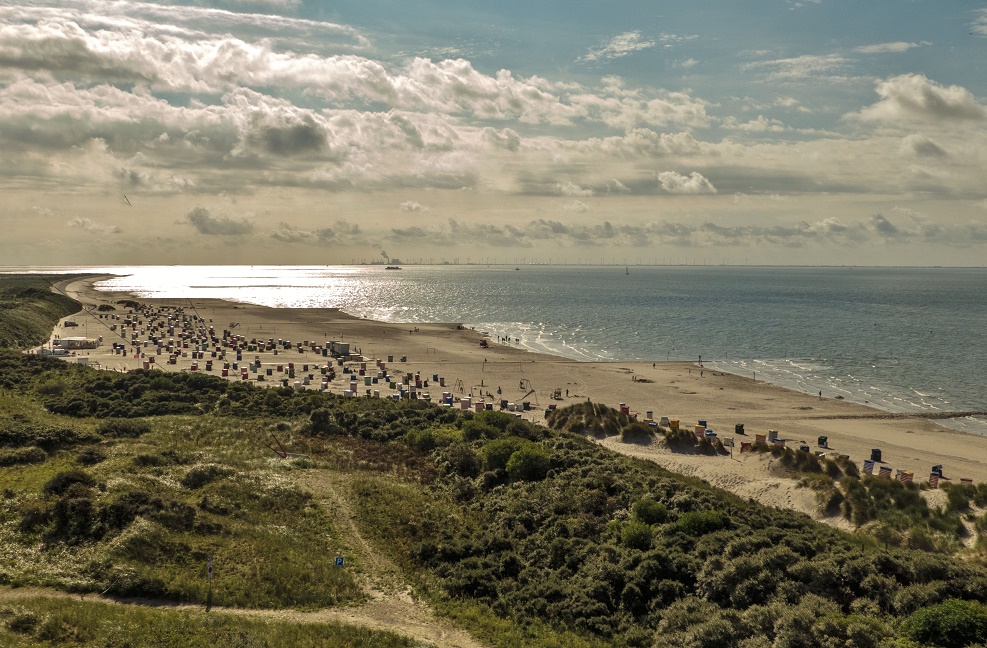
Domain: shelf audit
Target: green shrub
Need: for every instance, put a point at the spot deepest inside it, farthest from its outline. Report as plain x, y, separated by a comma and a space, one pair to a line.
697, 523
123, 428
62, 481
201, 475
636, 535
23, 622
323, 423
952, 623
91, 456
649, 511
475, 429
496, 453
462, 460
499, 420
28, 455
635, 433
527, 464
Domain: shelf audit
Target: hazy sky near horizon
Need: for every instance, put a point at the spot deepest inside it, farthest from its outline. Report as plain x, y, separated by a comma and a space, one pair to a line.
294, 131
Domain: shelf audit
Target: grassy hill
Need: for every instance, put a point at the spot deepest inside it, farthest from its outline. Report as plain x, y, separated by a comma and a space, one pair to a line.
128, 484
29, 310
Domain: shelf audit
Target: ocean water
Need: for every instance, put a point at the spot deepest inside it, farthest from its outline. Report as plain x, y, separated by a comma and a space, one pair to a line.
900, 339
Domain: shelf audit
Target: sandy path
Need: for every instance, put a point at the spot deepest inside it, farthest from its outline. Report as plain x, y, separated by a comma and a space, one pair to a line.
391, 604
369, 616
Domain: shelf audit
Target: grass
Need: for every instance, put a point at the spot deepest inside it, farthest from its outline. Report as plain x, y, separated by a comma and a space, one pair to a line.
33, 621
29, 310
136, 504
272, 546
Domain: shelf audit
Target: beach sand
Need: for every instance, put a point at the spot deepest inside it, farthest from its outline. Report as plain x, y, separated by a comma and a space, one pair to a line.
677, 390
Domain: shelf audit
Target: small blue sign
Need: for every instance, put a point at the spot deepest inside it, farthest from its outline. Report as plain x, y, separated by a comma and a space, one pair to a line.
339, 561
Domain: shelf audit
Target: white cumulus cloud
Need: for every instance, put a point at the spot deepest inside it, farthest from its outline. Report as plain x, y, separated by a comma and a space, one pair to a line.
413, 206
676, 183
910, 97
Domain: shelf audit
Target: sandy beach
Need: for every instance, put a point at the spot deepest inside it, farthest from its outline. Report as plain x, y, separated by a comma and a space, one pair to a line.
678, 390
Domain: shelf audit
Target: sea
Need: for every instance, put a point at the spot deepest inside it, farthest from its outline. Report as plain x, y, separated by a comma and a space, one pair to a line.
898, 339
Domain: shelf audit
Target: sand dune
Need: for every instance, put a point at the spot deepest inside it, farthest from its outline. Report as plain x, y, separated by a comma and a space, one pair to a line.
678, 390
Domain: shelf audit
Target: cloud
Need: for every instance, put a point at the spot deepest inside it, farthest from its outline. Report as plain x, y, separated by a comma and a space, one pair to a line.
289, 234
285, 133
276, 5
507, 138
979, 24
883, 227
202, 220
619, 46
617, 186
827, 67
342, 233
576, 207
911, 97
68, 45
886, 48
412, 206
922, 146
874, 230
629, 112
139, 180
570, 189
760, 125
676, 183
791, 103
182, 20
670, 40
88, 225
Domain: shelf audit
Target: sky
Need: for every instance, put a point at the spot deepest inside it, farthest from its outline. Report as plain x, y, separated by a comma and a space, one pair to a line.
788, 132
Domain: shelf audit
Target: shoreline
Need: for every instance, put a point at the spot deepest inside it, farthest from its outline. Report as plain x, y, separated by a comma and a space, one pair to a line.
679, 390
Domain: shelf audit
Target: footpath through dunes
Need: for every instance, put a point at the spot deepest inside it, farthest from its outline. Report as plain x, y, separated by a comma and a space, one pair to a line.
391, 605
405, 621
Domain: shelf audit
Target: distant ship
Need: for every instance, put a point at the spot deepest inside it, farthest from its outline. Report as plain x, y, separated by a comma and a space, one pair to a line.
392, 267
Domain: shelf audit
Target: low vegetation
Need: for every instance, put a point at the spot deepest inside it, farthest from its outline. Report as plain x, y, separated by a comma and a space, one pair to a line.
29, 310
131, 483
32, 621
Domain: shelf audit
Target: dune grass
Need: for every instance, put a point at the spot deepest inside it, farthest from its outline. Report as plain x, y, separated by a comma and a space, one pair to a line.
33, 621
156, 508
29, 310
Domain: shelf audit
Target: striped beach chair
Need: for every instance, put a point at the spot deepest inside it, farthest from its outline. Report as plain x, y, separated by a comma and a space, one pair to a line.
933, 480
868, 466
885, 471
